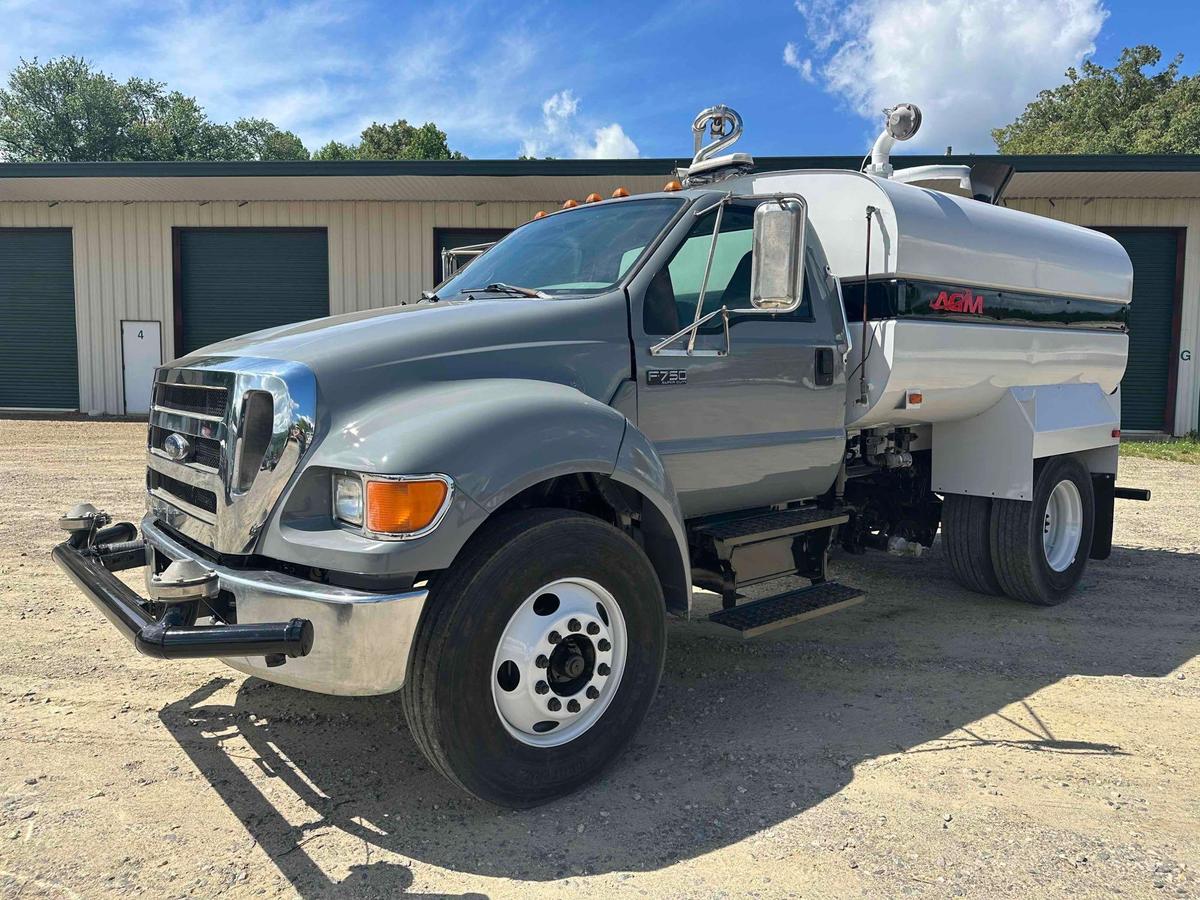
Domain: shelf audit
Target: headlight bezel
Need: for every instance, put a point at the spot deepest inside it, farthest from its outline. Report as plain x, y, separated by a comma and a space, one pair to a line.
364, 479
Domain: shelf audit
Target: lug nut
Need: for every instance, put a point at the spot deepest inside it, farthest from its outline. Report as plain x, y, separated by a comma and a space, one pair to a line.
603, 645
554, 637
541, 687
541, 662
603, 669
572, 706
554, 705
573, 625
592, 693
593, 628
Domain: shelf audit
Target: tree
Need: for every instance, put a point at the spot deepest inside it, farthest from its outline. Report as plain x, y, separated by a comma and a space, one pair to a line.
263, 140
66, 111
1117, 110
336, 151
396, 141
403, 141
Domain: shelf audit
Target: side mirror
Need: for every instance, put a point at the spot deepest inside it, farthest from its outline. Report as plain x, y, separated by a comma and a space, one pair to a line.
777, 264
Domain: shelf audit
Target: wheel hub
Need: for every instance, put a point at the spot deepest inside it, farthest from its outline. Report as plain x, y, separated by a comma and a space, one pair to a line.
1062, 525
571, 665
559, 662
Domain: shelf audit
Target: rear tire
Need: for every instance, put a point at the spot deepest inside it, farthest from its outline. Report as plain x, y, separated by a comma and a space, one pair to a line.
966, 535
469, 682
1040, 548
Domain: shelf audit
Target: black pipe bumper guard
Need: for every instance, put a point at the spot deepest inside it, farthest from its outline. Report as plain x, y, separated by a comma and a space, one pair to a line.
94, 552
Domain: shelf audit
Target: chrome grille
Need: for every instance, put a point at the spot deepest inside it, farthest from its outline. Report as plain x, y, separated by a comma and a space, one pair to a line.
207, 400
188, 493
206, 452
249, 422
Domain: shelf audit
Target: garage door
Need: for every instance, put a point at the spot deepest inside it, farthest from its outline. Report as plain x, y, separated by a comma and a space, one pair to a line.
1145, 391
449, 238
38, 359
235, 280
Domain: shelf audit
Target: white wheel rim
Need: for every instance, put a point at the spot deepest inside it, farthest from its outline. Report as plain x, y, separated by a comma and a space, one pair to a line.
579, 673
1062, 526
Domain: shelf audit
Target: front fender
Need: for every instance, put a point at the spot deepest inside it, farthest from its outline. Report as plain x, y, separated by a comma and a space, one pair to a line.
494, 437
640, 468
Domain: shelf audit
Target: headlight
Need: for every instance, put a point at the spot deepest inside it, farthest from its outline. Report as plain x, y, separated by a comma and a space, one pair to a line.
348, 498
391, 507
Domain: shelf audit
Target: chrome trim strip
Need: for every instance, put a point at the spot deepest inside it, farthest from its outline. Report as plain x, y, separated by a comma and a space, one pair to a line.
180, 505
199, 467
195, 476
199, 387
171, 410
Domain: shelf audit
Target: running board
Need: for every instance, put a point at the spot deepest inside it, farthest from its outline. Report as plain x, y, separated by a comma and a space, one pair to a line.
782, 610
753, 529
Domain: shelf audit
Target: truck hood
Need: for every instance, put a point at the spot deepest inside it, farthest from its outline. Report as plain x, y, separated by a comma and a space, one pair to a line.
359, 356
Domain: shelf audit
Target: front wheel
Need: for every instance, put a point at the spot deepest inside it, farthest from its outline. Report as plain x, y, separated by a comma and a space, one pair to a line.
537, 657
1040, 547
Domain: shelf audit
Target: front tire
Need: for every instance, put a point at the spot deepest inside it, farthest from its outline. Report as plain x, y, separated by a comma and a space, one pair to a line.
1040, 548
537, 656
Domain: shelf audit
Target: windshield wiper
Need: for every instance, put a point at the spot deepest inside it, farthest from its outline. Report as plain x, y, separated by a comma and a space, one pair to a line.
499, 287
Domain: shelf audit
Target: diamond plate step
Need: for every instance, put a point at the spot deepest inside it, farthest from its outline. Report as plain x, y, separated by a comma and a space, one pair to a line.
763, 527
769, 613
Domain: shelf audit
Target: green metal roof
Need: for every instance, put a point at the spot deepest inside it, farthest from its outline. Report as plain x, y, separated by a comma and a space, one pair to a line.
572, 167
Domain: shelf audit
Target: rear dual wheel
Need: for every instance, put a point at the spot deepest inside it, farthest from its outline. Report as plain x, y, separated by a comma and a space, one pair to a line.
537, 656
1031, 550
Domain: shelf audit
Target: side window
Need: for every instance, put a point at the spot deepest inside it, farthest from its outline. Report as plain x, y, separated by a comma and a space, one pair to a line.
671, 298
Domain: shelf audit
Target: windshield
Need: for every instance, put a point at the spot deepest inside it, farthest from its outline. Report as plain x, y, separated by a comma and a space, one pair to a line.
583, 251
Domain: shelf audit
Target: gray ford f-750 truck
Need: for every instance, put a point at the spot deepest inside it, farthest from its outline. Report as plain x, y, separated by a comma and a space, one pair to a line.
489, 498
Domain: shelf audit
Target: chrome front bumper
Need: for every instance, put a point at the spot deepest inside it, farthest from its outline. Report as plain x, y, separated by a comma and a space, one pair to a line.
361, 639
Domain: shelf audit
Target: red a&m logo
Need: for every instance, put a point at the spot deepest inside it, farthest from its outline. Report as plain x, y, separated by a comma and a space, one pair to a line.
964, 302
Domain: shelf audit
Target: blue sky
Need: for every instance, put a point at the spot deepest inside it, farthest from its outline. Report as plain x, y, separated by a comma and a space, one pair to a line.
615, 78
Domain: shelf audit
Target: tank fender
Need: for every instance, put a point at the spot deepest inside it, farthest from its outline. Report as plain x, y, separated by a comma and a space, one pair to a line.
640, 468
993, 454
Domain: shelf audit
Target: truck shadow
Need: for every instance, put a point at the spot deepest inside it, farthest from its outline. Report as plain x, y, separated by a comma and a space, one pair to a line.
743, 735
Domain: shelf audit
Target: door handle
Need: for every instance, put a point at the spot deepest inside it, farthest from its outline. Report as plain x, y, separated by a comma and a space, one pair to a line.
823, 369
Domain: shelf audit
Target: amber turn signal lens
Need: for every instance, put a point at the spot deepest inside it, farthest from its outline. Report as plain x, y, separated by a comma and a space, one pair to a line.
673, 185
620, 192
540, 214
593, 197
403, 507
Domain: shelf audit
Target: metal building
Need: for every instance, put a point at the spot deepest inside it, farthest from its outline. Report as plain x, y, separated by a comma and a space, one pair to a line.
107, 269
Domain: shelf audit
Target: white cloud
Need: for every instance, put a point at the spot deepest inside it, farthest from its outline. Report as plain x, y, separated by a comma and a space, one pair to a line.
971, 65
312, 67
791, 58
561, 135
609, 142
558, 108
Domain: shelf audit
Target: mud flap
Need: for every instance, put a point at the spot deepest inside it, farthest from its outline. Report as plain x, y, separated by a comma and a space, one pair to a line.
1104, 489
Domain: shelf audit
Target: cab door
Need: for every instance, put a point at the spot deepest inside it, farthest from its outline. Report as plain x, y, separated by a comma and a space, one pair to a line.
764, 424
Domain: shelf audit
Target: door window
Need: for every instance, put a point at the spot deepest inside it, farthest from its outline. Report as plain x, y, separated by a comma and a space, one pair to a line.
671, 297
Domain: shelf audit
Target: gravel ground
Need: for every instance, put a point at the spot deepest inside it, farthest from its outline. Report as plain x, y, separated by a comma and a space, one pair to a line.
928, 742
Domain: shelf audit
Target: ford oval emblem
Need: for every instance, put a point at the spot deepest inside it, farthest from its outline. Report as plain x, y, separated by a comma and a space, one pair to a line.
177, 447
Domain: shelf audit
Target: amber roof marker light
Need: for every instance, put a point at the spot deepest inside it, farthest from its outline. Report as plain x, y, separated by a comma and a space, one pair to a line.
620, 192
673, 185
570, 204
593, 197
540, 214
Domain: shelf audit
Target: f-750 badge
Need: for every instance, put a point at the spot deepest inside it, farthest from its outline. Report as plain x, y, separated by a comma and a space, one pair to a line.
666, 376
